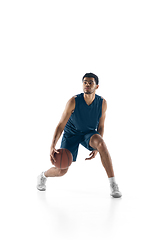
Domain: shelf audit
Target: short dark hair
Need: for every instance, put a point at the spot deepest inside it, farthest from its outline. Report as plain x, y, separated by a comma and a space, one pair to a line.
89, 75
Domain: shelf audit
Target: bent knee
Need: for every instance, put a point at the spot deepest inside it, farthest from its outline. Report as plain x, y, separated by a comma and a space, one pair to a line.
63, 171
101, 145
95, 141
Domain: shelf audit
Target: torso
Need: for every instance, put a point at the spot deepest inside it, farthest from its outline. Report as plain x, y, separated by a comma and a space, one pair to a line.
85, 117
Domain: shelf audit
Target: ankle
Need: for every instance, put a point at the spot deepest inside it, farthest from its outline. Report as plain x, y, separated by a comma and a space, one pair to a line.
44, 175
112, 180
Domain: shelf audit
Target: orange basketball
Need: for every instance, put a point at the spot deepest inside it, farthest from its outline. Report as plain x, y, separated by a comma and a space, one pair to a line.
63, 159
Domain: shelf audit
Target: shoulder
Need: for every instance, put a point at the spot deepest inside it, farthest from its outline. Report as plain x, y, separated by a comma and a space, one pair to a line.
77, 98
78, 95
104, 104
71, 103
100, 98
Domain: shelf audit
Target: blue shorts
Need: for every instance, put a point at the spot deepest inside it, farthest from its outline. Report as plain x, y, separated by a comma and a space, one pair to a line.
72, 141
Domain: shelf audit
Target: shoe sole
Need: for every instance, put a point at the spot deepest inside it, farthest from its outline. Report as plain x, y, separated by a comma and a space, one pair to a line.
116, 196
43, 189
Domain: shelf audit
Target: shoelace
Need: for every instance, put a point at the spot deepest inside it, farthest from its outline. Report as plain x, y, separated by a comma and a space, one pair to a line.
115, 187
43, 180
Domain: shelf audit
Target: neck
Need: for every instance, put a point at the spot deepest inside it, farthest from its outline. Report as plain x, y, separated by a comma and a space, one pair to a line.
89, 98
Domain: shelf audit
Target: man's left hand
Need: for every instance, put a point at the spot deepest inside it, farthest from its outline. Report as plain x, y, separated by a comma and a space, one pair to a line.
92, 155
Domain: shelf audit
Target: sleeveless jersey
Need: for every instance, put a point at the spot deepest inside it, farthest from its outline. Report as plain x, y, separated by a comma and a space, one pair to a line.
85, 118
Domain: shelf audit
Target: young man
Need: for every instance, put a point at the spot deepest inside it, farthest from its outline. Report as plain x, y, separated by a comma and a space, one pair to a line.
83, 123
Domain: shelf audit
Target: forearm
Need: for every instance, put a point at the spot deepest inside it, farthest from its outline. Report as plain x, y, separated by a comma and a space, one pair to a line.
56, 136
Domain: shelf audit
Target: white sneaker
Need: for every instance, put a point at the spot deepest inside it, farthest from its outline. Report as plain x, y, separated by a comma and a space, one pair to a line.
115, 191
41, 181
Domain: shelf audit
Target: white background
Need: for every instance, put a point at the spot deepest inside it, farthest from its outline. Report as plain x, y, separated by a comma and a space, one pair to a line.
45, 49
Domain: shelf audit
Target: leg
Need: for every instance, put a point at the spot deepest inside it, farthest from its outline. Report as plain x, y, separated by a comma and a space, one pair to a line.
55, 172
52, 172
97, 142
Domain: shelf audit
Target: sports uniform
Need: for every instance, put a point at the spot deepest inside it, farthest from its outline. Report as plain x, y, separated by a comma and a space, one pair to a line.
82, 124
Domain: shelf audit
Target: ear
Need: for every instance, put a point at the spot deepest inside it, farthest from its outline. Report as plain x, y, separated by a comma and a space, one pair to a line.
97, 86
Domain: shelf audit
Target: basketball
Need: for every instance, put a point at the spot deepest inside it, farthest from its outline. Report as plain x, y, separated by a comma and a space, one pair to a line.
63, 159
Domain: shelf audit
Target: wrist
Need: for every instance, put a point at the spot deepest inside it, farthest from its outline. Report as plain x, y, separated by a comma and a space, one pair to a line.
53, 145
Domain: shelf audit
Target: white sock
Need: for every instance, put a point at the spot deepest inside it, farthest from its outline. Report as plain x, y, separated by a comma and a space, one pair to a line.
112, 180
43, 175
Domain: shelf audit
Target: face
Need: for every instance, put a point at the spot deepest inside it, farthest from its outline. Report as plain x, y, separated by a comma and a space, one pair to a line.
89, 85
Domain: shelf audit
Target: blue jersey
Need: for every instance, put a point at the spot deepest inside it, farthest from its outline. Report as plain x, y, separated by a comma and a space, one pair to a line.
85, 118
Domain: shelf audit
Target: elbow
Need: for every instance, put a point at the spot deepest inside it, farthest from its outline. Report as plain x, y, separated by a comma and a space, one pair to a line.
101, 131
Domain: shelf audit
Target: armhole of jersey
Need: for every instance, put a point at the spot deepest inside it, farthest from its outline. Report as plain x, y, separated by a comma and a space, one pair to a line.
101, 106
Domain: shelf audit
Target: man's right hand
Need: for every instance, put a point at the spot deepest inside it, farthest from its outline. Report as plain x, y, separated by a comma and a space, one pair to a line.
52, 152
70, 106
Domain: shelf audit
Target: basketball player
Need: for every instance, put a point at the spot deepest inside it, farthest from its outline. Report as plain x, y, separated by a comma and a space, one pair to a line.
83, 123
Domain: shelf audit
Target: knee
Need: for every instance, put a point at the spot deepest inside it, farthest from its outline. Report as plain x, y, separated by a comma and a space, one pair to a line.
62, 172
101, 146
97, 142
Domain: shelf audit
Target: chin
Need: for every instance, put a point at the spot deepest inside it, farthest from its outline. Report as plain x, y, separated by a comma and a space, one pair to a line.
87, 92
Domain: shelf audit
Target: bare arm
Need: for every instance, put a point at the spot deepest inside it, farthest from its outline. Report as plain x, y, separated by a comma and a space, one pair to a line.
100, 127
70, 106
102, 119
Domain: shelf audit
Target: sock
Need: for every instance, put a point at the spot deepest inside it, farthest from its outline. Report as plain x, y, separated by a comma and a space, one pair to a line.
112, 180
43, 175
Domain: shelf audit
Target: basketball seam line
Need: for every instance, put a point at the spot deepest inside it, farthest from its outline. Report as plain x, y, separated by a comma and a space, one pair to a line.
67, 156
